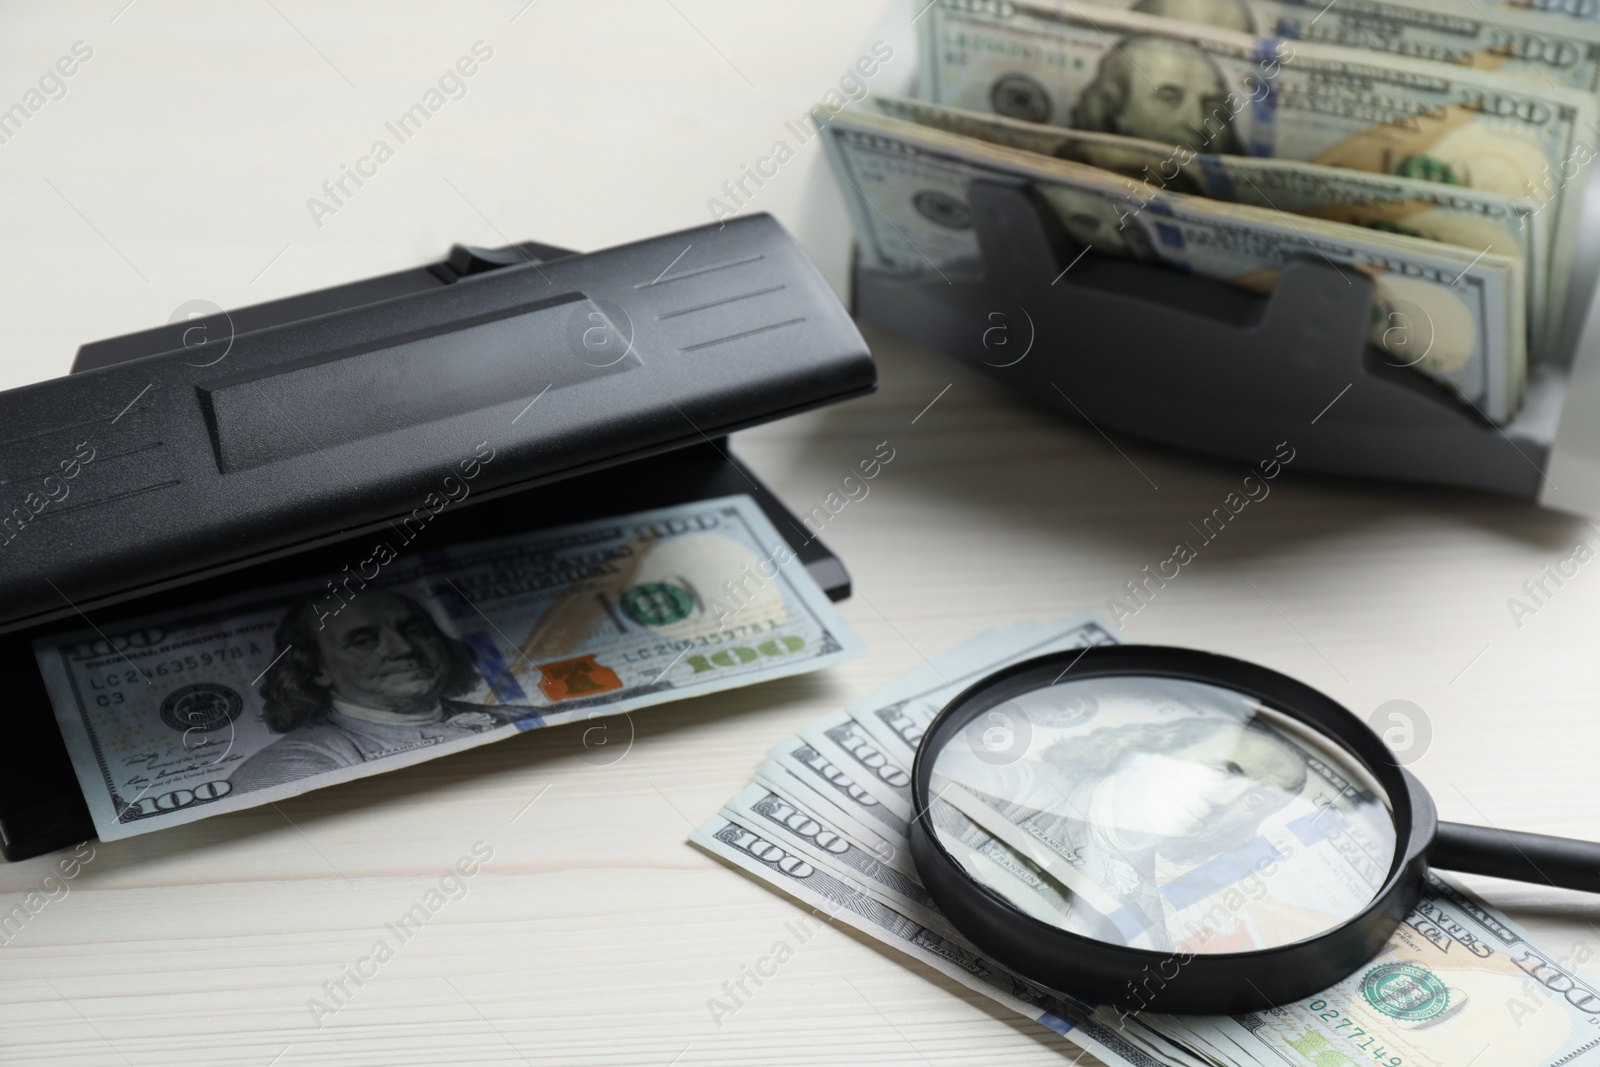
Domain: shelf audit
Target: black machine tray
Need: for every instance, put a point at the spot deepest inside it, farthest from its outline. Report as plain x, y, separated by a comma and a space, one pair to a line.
607, 383
1195, 363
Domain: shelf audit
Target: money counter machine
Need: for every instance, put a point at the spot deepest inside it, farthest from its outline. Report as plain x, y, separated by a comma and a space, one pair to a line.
236, 450
1198, 364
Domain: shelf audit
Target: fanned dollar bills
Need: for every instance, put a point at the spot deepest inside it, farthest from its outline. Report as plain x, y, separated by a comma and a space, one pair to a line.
1473, 219
400, 659
1519, 41
1454, 313
824, 822
1207, 89
1227, 137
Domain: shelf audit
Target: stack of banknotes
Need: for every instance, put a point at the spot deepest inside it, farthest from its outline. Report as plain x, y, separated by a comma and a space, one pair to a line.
1439, 147
825, 822
401, 658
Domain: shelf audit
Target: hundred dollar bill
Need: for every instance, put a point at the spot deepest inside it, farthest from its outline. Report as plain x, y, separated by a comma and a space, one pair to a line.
401, 659
1456, 979
850, 813
829, 836
852, 751
838, 894
893, 882
813, 769
1452, 313
1458, 983
853, 812
1214, 90
839, 769
1457, 215
1416, 1003
1520, 41
845, 743
766, 812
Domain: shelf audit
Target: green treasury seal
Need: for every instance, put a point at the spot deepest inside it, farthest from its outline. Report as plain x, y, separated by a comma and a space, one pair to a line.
656, 603
1405, 991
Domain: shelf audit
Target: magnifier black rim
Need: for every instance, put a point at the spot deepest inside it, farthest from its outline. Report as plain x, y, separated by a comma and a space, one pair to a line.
1136, 978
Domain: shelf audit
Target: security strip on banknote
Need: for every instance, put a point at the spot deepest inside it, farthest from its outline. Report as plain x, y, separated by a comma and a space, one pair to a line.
824, 823
400, 659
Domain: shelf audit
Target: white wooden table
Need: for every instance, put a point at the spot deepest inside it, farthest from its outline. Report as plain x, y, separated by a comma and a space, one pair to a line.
176, 168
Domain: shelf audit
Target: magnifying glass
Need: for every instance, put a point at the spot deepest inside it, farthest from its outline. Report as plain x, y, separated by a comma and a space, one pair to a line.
1165, 829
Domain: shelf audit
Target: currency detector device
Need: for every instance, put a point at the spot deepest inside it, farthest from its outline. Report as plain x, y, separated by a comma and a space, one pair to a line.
233, 450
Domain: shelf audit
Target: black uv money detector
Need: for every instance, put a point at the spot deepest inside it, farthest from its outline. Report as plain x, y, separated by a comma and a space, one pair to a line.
240, 449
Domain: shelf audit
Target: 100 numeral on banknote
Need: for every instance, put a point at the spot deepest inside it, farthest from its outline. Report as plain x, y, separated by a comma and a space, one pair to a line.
240, 702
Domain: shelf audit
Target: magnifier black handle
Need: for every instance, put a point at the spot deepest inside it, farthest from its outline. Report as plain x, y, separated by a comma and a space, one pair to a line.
1557, 861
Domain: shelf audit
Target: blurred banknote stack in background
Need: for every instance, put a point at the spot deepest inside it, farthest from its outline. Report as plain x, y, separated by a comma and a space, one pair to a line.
826, 822
1441, 148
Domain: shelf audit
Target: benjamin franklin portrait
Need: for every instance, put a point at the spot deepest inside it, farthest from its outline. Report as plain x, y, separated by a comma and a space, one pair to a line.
376, 679
1097, 222
1163, 90
1186, 792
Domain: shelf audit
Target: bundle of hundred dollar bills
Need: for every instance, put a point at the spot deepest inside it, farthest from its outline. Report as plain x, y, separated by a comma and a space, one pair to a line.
1438, 147
825, 822
403, 658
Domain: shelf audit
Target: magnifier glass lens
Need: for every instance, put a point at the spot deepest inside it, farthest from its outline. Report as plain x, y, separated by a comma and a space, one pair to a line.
1163, 814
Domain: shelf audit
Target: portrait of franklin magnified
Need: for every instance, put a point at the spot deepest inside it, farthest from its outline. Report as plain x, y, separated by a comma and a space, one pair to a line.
1185, 792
